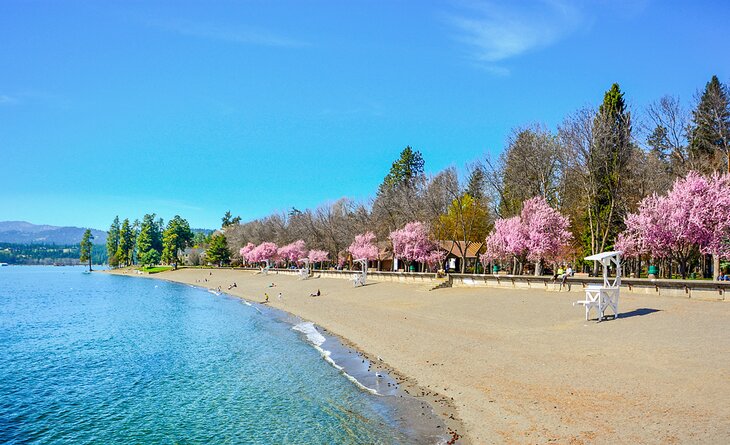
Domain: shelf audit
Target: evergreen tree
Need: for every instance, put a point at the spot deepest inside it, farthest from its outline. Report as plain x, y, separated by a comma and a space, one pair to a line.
148, 240
176, 237
112, 242
126, 244
406, 168
149, 258
218, 252
85, 248
608, 159
475, 185
199, 238
157, 238
710, 132
136, 225
229, 220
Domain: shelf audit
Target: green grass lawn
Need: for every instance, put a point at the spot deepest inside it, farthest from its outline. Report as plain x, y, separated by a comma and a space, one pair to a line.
156, 269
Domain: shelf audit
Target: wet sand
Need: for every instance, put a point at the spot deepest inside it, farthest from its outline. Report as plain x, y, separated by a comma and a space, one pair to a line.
522, 366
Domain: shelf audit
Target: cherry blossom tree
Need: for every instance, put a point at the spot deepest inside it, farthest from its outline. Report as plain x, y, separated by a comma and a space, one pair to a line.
265, 251
246, 251
692, 218
547, 232
293, 252
412, 242
435, 259
508, 241
364, 247
539, 234
317, 256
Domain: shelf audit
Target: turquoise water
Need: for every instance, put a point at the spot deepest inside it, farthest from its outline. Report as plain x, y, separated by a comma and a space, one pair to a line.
102, 359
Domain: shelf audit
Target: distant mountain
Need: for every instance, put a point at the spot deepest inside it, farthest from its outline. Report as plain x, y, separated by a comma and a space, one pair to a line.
22, 232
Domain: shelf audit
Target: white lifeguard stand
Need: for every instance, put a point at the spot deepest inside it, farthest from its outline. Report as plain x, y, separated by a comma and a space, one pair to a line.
359, 279
265, 270
602, 296
304, 271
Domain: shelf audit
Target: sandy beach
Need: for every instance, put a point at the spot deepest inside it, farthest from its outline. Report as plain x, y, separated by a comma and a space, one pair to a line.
522, 366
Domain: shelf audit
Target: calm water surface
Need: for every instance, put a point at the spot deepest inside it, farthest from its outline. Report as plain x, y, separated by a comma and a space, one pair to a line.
94, 358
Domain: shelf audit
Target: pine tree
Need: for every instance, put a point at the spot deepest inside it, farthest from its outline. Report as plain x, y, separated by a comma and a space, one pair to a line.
406, 168
126, 244
229, 220
710, 132
218, 252
112, 242
609, 156
148, 240
475, 184
86, 247
176, 237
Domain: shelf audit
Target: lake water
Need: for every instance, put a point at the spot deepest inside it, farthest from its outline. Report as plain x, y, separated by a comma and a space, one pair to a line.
102, 359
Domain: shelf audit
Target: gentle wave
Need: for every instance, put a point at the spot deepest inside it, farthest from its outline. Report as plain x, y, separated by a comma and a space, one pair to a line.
313, 336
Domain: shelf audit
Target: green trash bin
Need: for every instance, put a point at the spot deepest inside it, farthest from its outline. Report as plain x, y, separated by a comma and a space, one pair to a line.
412, 268
495, 269
653, 270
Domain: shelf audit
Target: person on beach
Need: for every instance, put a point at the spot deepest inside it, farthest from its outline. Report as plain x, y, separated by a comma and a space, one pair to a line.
272, 285
315, 295
568, 273
279, 296
267, 297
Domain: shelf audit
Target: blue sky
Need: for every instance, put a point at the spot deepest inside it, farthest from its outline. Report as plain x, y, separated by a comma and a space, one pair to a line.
195, 107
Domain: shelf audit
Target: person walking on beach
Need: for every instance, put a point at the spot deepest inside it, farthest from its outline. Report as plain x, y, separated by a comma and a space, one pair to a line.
267, 297
279, 296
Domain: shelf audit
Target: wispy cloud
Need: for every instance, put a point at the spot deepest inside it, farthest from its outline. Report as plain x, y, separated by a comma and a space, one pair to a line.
494, 33
246, 35
7, 100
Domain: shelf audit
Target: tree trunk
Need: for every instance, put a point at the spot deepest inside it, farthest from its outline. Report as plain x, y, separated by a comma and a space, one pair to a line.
595, 268
463, 263
538, 268
716, 261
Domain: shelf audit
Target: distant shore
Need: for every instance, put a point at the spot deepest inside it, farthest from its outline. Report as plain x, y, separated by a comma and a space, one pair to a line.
522, 366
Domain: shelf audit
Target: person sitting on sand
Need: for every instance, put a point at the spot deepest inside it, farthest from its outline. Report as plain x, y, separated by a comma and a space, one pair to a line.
315, 295
272, 285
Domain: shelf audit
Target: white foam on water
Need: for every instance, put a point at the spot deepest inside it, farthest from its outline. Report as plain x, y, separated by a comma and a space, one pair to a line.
313, 336
307, 328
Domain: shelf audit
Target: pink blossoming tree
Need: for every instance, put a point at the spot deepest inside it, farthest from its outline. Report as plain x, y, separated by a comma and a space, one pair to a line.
364, 247
508, 241
317, 256
265, 251
547, 232
245, 251
693, 217
293, 252
539, 234
412, 243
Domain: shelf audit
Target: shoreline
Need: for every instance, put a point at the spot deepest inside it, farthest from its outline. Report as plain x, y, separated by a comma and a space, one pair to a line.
522, 365
449, 428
